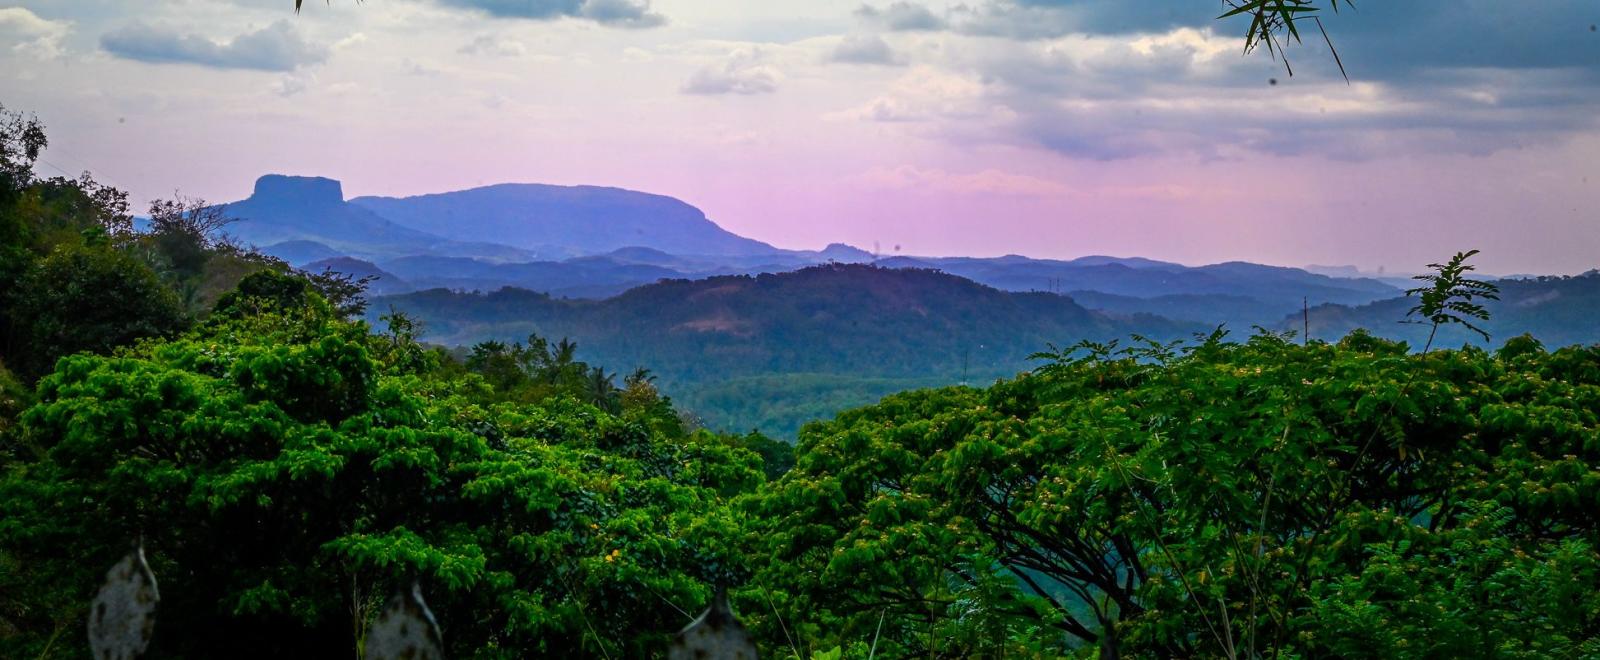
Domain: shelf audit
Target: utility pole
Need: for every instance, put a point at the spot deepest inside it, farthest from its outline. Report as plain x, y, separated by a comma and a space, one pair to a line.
1305, 321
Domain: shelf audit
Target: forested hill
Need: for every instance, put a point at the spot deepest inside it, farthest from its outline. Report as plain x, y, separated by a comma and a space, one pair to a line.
1558, 311
856, 319
874, 330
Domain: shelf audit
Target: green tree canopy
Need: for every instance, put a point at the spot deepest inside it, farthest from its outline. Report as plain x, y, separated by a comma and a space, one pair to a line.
1216, 500
286, 469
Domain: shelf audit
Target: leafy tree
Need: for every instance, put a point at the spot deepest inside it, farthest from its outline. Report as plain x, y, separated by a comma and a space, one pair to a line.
1274, 23
345, 292
21, 139
1449, 296
89, 298
48, 228
286, 469
540, 370
269, 292
14, 398
1214, 499
777, 456
185, 229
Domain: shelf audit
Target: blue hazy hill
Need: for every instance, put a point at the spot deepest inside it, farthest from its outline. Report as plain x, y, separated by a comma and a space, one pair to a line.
584, 219
300, 209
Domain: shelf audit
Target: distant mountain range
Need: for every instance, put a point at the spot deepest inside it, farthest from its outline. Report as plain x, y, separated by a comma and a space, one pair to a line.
639, 279
594, 242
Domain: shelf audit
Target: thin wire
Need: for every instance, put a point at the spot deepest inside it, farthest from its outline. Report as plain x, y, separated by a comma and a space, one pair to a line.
55, 167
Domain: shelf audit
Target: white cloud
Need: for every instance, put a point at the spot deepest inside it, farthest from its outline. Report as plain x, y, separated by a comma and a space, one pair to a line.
926, 93
743, 71
31, 35
350, 42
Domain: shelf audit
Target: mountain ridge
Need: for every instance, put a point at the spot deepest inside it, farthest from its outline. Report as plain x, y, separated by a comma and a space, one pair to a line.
587, 219
299, 211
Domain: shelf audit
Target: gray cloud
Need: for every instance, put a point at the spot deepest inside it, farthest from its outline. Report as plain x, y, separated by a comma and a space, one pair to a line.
1429, 76
616, 13
1049, 19
744, 71
277, 47
1378, 40
864, 49
902, 17
622, 13
1470, 111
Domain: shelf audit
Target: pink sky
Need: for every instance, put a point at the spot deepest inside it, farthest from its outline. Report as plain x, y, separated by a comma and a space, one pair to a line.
803, 124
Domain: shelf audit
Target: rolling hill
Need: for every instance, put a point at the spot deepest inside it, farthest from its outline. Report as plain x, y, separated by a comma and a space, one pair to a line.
853, 322
1558, 311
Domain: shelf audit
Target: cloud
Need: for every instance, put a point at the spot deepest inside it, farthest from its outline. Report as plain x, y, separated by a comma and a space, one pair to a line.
615, 13
485, 44
1084, 79
31, 35
1187, 91
351, 41
1378, 41
277, 47
928, 94
864, 49
902, 17
743, 71
294, 83
622, 13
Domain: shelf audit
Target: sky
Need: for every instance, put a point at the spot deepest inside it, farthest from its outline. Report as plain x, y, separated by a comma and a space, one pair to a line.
1049, 128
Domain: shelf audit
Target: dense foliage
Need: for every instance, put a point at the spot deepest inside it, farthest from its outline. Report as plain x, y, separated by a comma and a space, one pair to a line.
286, 470
780, 404
81, 277
1220, 500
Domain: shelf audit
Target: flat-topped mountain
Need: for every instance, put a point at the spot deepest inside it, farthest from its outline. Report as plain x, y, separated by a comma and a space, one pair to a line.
301, 212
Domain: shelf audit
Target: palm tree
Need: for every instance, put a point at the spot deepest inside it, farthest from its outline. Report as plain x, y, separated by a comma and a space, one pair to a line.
602, 391
640, 376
